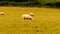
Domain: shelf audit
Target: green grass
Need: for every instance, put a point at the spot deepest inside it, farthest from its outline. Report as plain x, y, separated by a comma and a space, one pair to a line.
46, 19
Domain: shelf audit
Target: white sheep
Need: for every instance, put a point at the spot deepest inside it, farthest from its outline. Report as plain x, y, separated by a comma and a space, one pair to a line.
27, 16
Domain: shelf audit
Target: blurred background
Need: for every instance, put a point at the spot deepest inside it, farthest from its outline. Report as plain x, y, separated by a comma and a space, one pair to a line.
31, 3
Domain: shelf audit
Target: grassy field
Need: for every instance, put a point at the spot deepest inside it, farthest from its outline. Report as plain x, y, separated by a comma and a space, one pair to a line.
46, 21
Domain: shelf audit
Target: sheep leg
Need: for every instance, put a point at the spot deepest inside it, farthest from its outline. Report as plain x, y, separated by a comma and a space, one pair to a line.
30, 19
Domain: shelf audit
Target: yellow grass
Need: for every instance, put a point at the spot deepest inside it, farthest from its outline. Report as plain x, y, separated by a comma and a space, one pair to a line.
46, 21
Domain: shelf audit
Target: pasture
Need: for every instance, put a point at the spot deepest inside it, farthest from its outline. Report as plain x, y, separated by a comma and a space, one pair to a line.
46, 21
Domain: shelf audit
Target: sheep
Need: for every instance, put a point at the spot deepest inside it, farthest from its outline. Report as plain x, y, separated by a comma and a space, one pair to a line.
2, 13
27, 16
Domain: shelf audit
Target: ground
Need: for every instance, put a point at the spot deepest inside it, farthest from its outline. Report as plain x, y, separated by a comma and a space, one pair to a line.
46, 21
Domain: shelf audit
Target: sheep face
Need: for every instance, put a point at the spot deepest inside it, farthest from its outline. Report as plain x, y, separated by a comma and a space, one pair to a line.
31, 14
2, 13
